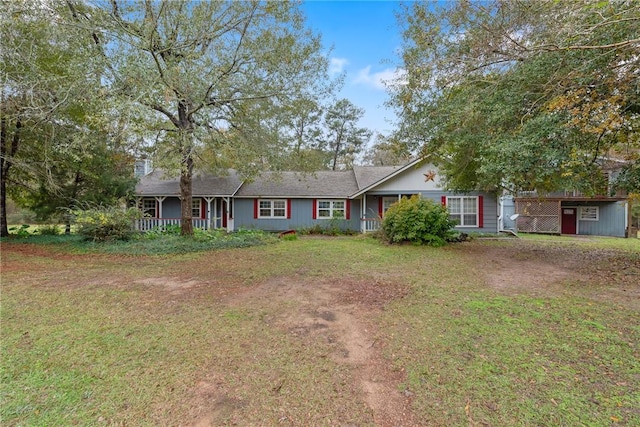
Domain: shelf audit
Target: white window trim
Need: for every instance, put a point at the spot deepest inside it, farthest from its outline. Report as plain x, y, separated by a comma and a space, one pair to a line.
154, 208
462, 214
385, 199
331, 208
583, 209
193, 208
272, 209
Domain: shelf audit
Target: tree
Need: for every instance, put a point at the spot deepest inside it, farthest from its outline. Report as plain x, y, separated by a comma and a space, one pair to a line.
204, 74
100, 176
386, 151
48, 98
521, 94
343, 136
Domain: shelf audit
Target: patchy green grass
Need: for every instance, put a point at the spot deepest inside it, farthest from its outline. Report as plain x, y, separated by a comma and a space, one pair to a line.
587, 242
91, 337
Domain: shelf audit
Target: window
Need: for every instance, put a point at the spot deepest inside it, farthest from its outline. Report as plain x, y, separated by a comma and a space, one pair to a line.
589, 213
149, 208
196, 208
331, 209
272, 209
463, 210
387, 202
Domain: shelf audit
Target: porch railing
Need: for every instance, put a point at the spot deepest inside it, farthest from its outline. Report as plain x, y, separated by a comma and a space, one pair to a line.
371, 224
146, 224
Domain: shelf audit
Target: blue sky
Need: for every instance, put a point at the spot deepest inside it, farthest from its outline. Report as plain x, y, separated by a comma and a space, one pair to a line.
365, 40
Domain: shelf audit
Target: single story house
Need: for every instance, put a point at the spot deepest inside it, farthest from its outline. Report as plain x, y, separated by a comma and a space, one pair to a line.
275, 201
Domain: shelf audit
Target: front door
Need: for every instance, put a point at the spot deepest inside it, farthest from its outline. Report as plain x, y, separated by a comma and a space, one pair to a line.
569, 218
224, 214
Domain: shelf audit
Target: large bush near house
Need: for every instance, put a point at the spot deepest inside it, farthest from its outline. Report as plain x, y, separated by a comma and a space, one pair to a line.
417, 220
106, 223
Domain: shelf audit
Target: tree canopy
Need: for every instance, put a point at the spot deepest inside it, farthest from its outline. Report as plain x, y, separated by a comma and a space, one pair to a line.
521, 94
205, 76
58, 144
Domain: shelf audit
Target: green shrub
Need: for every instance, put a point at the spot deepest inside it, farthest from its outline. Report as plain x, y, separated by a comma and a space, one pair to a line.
102, 224
417, 220
49, 230
22, 231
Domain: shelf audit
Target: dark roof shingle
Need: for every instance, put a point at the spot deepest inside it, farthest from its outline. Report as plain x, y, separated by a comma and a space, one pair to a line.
297, 184
155, 184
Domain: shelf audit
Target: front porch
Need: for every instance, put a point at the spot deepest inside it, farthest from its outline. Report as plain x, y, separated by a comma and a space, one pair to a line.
148, 224
161, 212
370, 225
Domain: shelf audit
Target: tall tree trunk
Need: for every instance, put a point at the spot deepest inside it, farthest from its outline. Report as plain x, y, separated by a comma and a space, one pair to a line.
186, 168
186, 196
336, 152
6, 154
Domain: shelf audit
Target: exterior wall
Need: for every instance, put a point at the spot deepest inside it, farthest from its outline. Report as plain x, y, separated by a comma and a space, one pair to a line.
611, 218
301, 216
171, 208
490, 206
412, 181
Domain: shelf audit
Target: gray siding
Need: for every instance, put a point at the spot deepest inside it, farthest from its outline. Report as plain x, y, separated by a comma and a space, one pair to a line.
490, 207
610, 221
301, 216
171, 208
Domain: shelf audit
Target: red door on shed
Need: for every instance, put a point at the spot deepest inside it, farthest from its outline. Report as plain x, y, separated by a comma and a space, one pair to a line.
569, 218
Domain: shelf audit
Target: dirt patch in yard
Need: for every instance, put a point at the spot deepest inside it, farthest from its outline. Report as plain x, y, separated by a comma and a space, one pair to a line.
340, 314
517, 266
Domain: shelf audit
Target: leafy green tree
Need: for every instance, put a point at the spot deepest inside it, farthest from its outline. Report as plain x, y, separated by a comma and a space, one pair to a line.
205, 75
344, 138
49, 96
100, 176
386, 151
527, 95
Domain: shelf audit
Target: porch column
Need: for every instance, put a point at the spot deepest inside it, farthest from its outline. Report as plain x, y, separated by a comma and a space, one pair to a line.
139, 207
208, 200
363, 214
160, 199
215, 214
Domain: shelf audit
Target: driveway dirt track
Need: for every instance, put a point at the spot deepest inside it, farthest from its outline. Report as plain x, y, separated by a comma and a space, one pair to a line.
336, 316
339, 313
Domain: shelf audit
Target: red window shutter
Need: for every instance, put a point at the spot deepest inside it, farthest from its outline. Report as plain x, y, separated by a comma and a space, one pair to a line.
347, 213
203, 209
314, 214
288, 208
380, 207
444, 200
255, 208
480, 212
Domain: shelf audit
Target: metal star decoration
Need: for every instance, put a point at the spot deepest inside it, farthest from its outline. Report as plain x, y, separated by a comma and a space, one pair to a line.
429, 176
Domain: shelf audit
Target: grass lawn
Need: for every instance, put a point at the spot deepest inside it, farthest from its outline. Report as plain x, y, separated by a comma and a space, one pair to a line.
323, 331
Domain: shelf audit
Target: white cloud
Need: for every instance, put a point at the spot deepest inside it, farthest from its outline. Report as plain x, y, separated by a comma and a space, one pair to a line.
337, 65
381, 79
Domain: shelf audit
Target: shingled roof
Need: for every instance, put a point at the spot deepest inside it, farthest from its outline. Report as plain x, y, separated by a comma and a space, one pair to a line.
155, 184
339, 184
368, 175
